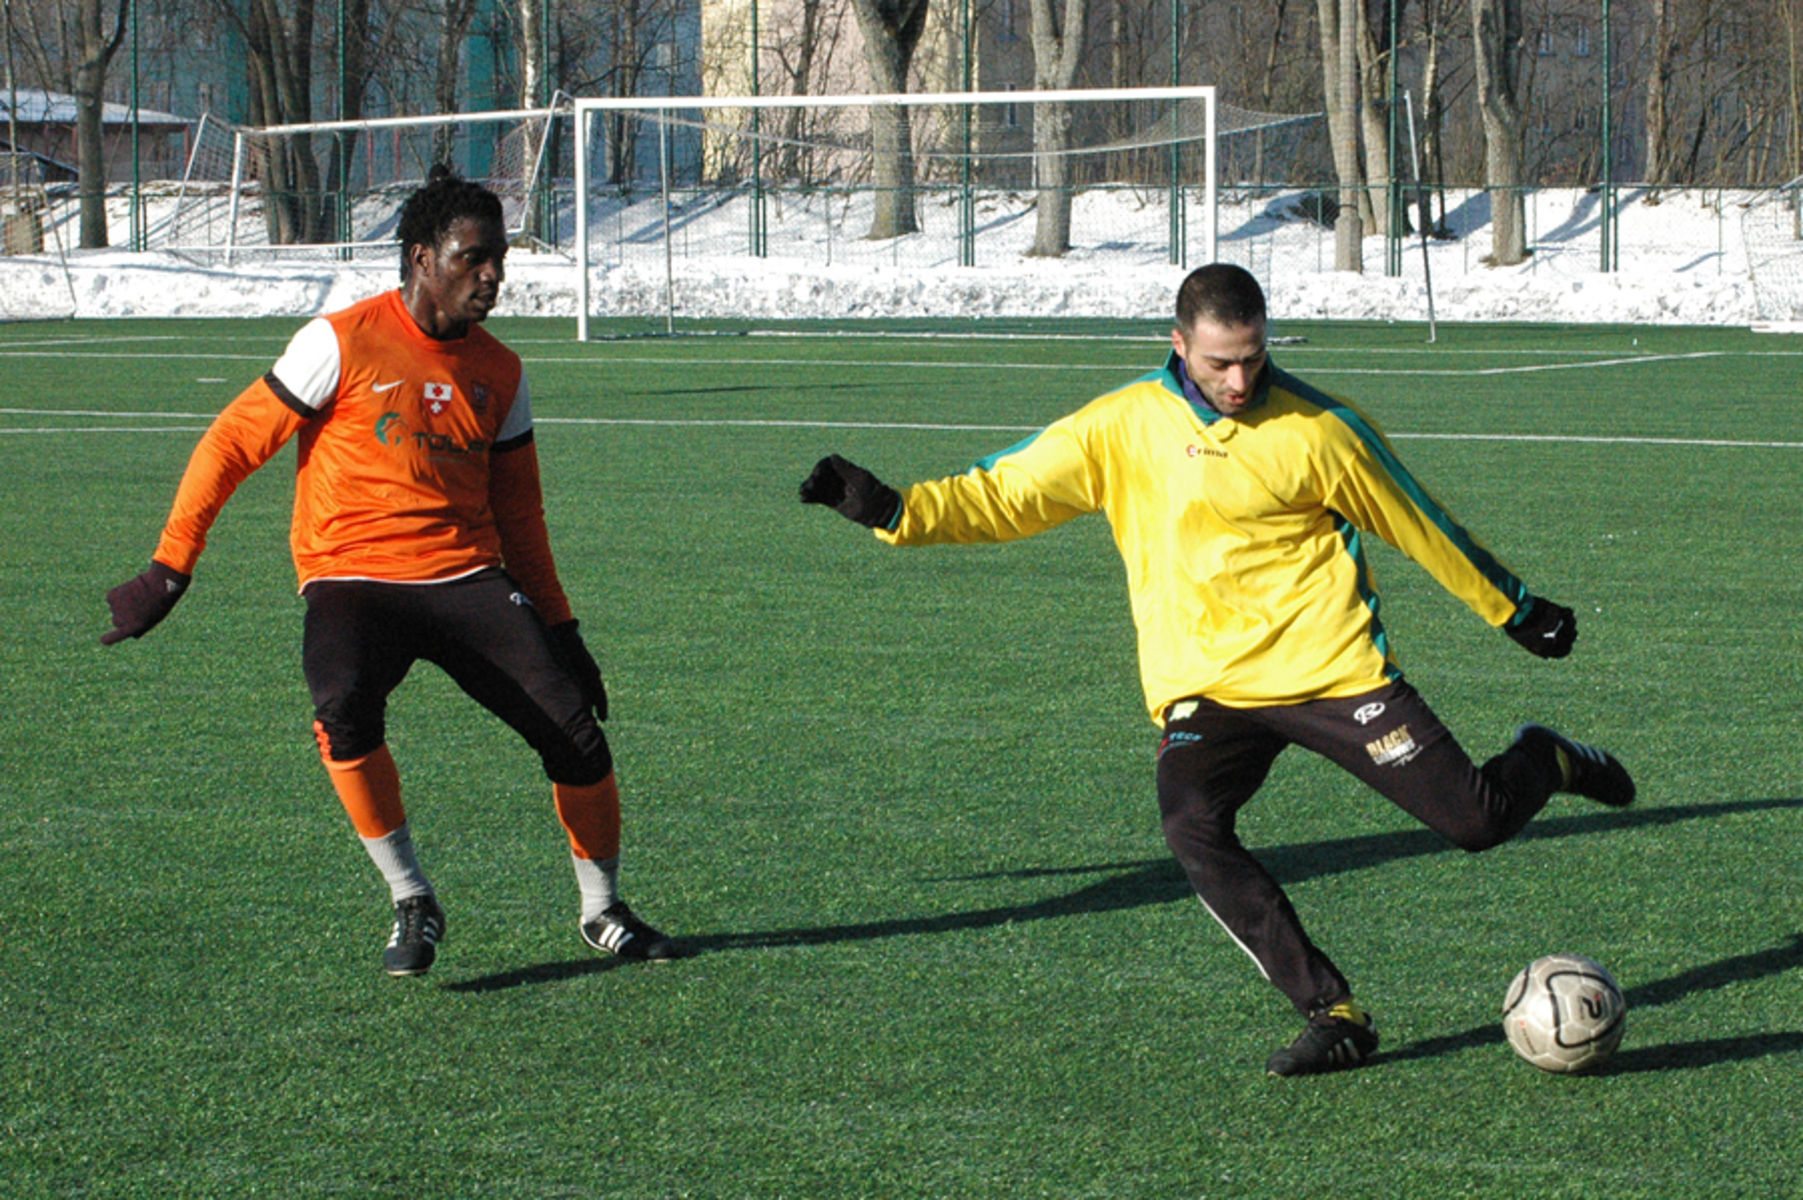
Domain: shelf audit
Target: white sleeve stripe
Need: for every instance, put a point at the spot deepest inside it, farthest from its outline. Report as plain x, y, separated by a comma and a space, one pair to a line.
519, 417
309, 366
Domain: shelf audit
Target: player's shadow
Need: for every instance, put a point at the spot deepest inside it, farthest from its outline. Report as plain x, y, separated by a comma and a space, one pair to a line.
1672, 1056
1136, 883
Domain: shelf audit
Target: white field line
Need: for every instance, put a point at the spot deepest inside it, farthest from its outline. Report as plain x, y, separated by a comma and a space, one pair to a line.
1124, 370
899, 426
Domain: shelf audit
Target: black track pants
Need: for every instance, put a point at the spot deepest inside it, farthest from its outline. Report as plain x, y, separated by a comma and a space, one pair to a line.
362, 638
1214, 758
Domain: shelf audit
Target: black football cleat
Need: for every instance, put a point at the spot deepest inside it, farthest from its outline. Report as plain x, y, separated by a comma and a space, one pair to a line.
418, 928
1588, 771
617, 931
1335, 1040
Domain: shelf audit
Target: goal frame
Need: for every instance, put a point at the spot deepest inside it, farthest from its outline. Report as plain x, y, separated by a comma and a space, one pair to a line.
237, 184
1770, 293
586, 109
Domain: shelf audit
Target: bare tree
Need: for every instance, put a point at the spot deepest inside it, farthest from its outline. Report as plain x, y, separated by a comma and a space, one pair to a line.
355, 59
1057, 35
1374, 110
457, 17
1434, 15
1340, 89
1792, 102
892, 30
534, 70
1267, 82
1496, 34
96, 50
804, 49
279, 40
1658, 89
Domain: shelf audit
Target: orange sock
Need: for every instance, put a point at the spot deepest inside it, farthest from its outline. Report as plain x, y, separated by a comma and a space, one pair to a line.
591, 815
370, 790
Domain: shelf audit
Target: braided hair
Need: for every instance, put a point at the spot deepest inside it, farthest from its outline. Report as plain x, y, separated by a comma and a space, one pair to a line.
431, 210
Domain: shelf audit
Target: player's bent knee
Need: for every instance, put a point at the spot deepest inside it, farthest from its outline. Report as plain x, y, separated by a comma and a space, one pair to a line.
577, 767
342, 741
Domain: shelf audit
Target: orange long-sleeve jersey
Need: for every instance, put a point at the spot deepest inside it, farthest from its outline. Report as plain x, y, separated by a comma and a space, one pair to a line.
416, 457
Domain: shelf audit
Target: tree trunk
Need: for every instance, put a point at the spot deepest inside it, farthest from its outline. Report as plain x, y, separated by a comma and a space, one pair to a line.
457, 17
1269, 81
1374, 118
623, 138
1426, 124
350, 108
535, 92
1658, 87
892, 30
1057, 49
96, 51
1496, 54
1339, 88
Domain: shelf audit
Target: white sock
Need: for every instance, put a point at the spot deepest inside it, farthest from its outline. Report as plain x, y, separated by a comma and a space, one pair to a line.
599, 880
394, 857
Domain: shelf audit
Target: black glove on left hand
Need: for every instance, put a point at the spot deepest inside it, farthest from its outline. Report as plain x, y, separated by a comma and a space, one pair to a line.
852, 492
141, 602
566, 640
1548, 629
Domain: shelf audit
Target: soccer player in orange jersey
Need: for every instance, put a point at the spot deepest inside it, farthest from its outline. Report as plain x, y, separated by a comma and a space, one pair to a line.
418, 533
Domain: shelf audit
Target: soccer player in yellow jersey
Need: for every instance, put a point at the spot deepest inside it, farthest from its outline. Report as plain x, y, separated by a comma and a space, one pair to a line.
418, 533
1240, 498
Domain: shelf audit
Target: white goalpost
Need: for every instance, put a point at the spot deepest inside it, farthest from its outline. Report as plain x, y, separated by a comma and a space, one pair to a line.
903, 184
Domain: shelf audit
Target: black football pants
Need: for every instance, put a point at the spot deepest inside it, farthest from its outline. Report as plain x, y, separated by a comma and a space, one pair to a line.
362, 637
1213, 758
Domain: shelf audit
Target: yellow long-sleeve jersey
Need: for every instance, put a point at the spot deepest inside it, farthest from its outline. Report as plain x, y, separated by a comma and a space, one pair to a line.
1241, 535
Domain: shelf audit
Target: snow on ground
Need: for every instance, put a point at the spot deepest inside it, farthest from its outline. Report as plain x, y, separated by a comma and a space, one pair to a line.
1683, 260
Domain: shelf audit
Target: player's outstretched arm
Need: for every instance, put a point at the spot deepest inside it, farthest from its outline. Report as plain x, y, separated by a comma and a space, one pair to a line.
140, 603
1543, 628
852, 492
244, 436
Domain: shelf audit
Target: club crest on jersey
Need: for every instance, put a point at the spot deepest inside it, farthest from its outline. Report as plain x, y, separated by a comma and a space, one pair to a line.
1393, 748
438, 397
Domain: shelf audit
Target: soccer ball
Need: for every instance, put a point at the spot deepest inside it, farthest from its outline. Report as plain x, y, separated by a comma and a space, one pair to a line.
1564, 1013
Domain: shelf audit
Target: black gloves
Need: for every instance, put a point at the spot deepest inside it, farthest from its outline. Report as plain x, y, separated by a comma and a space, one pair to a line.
852, 491
1545, 629
138, 604
566, 642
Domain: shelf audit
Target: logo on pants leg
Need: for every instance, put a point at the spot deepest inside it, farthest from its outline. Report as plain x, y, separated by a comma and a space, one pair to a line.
1393, 748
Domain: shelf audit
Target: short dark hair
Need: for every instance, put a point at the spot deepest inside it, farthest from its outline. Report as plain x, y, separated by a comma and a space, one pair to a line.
430, 211
1222, 293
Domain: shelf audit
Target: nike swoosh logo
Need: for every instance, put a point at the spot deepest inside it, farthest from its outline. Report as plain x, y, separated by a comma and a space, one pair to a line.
387, 387
1552, 633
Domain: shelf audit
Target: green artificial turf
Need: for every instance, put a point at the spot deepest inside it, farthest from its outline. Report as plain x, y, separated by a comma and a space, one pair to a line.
900, 802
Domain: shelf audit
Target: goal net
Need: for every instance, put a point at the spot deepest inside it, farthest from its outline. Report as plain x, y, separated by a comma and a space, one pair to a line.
333, 189
1771, 228
728, 207
38, 284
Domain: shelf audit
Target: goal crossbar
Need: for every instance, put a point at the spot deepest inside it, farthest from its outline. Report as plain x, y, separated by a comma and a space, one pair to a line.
586, 108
